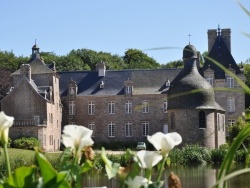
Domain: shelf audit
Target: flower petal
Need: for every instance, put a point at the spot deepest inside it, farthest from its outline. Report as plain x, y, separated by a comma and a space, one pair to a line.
176, 137
148, 159
155, 140
137, 182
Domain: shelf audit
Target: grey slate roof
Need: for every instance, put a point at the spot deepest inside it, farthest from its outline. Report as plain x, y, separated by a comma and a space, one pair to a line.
144, 81
37, 67
189, 90
220, 53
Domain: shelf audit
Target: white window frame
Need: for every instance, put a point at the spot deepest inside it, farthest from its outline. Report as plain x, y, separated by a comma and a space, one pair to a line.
91, 108
231, 122
128, 129
72, 108
165, 106
230, 81
231, 104
210, 79
111, 107
128, 107
111, 129
91, 126
71, 90
128, 89
145, 106
145, 128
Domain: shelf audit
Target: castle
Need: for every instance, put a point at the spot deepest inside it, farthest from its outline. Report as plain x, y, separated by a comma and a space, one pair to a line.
128, 105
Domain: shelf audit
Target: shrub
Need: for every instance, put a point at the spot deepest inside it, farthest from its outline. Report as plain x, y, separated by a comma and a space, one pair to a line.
195, 155
176, 157
26, 143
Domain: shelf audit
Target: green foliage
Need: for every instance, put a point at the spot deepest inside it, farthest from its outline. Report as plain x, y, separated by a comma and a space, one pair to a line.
174, 64
217, 155
136, 59
235, 129
26, 143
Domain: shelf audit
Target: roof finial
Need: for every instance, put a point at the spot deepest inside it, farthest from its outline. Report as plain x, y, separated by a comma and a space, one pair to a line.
35, 41
219, 31
189, 38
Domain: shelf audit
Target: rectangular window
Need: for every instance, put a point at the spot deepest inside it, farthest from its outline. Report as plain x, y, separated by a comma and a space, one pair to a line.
210, 79
230, 104
91, 108
72, 108
145, 128
71, 90
145, 107
91, 126
230, 122
128, 107
230, 81
37, 120
111, 129
128, 129
165, 106
128, 89
111, 107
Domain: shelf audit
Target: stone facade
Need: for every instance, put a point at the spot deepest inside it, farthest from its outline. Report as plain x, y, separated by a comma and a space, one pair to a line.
34, 102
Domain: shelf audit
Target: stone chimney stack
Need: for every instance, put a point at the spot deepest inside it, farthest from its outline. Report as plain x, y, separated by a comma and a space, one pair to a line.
212, 35
101, 68
226, 35
25, 70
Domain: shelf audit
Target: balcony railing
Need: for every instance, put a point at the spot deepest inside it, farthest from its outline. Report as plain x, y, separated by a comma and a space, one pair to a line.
28, 122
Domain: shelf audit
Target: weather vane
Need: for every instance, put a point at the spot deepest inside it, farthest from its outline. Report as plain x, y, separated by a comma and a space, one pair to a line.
189, 38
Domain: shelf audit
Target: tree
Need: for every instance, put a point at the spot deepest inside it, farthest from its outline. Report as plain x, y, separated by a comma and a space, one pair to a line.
136, 59
173, 64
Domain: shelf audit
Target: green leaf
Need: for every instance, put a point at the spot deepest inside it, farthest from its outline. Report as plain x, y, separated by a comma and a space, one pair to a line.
87, 165
22, 177
50, 176
157, 184
110, 167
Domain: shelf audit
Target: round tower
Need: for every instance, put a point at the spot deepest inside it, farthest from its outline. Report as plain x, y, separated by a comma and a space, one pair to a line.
192, 109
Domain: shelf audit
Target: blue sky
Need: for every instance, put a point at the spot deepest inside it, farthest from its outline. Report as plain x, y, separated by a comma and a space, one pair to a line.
117, 25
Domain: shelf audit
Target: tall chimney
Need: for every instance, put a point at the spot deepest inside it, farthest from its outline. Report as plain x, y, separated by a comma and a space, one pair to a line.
212, 35
226, 35
25, 70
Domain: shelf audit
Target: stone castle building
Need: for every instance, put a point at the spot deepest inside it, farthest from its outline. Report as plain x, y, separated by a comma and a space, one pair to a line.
34, 102
127, 105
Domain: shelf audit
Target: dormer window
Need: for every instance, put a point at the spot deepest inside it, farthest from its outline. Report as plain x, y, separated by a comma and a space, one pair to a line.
128, 89
101, 85
71, 91
167, 83
230, 81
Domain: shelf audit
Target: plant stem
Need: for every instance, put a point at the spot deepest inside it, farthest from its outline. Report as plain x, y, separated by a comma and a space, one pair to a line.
161, 169
6, 154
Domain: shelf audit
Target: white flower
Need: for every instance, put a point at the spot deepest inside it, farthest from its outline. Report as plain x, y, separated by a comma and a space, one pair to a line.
5, 123
165, 142
137, 182
77, 137
148, 159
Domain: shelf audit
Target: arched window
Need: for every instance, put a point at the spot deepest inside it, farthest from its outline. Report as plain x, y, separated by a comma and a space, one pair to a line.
172, 120
202, 119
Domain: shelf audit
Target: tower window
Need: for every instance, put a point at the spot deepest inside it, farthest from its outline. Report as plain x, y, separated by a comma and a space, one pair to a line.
202, 119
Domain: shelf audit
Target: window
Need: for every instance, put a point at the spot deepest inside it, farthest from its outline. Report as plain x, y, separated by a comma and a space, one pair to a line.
128, 89
230, 122
91, 126
128, 107
111, 107
145, 107
145, 128
37, 120
230, 104
72, 108
202, 119
71, 90
111, 129
128, 129
210, 79
230, 81
91, 108
172, 120
165, 106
